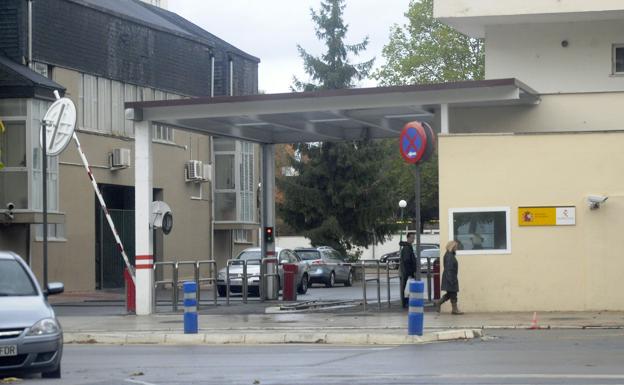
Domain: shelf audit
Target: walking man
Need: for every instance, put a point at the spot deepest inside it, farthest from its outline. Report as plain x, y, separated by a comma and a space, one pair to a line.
409, 266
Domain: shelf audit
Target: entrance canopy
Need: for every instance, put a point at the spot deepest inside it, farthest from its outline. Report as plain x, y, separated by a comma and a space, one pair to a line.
323, 116
332, 115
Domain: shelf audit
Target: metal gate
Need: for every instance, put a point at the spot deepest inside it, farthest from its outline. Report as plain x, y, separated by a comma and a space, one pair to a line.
111, 264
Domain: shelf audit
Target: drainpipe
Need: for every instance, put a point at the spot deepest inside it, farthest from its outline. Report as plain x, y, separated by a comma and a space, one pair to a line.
212, 68
29, 60
231, 76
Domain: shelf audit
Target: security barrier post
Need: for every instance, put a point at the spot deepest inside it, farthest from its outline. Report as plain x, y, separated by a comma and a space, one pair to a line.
415, 315
190, 307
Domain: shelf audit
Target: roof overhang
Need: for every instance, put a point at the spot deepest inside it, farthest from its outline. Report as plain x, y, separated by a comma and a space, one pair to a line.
333, 115
472, 16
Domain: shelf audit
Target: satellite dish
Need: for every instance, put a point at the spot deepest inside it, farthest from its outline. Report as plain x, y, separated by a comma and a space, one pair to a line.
60, 121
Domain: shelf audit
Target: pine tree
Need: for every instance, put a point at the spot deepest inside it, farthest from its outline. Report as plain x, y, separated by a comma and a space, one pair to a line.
342, 194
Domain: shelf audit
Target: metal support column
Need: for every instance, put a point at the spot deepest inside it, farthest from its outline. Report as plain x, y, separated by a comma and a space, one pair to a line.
143, 232
268, 210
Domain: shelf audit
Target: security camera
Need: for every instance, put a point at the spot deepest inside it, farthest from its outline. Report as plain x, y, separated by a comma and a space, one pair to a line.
9, 210
161, 217
594, 201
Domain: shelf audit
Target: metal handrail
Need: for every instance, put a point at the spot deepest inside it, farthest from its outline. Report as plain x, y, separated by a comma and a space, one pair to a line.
173, 281
212, 264
363, 263
264, 276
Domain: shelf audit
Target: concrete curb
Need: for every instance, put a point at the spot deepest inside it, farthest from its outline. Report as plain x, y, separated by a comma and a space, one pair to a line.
257, 338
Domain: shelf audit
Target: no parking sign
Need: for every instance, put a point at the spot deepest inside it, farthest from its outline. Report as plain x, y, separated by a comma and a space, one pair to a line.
417, 142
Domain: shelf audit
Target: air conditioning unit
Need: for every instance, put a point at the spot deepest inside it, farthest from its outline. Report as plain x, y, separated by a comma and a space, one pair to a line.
119, 158
194, 171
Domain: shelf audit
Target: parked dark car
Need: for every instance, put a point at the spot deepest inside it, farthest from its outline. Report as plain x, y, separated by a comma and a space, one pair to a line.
31, 338
327, 266
393, 257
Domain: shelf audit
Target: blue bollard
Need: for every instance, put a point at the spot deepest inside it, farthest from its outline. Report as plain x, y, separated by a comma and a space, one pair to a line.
415, 315
190, 307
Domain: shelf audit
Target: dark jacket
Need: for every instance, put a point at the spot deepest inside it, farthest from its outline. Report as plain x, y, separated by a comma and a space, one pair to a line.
449, 276
408, 264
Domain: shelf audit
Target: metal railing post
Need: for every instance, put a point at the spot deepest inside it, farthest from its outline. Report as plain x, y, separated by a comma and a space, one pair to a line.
388, 280
244, 282
164, 282
378, 286
212, 266
364, 282
227, 282
429, 276
174, 295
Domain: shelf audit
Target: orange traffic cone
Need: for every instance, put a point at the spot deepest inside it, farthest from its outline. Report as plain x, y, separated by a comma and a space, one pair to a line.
534, 325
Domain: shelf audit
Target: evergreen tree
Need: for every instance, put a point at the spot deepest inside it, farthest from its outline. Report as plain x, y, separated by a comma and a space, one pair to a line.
342, 194
332, 70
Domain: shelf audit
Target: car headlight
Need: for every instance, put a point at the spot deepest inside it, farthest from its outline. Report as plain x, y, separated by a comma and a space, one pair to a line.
44, 327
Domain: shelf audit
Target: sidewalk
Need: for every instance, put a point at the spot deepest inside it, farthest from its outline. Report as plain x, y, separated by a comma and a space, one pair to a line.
248, 324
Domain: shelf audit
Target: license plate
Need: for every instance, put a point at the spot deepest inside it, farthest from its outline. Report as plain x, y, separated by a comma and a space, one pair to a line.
8, 350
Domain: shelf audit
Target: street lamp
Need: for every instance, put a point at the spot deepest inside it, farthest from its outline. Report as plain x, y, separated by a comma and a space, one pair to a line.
402, 205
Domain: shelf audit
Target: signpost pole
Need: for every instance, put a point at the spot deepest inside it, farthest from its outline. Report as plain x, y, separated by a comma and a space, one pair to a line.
44, 172
417, 204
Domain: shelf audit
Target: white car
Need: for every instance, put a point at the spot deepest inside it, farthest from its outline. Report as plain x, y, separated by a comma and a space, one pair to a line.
31, 339
253, 256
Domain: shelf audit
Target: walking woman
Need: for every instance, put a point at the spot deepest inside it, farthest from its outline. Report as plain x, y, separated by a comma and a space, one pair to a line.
450, 283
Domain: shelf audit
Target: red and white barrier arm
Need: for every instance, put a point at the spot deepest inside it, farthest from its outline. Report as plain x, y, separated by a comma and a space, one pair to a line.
105, 209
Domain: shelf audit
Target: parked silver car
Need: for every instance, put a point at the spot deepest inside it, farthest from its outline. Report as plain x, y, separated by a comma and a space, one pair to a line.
327, 266
31, 338
253, 256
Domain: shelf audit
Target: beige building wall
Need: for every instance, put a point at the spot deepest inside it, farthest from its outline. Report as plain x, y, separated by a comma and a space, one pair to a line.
534, 54
73, 261
554, 113
549, 268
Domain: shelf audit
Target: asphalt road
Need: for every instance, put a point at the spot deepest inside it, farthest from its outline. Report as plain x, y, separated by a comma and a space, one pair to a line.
504, 357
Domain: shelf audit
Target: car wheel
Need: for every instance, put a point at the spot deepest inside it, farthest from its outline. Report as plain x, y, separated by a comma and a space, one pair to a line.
331, 281
56, 373
303, 287
349, 281
221, 291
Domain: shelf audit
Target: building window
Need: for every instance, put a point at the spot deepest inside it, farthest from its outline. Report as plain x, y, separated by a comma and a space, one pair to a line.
162, 133
42, 69
234, 181
89, 103
242, 236
481, 230
101, 107
39, 109
618, 59
14, 175
56, 232
246, 192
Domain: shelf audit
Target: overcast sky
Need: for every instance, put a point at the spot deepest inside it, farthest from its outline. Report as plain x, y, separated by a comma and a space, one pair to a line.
271, 30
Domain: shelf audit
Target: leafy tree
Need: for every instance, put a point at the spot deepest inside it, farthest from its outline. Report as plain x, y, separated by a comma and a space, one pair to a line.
340, 193
427, 51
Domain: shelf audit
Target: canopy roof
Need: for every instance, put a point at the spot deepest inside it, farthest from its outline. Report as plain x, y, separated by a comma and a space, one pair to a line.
332, 115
